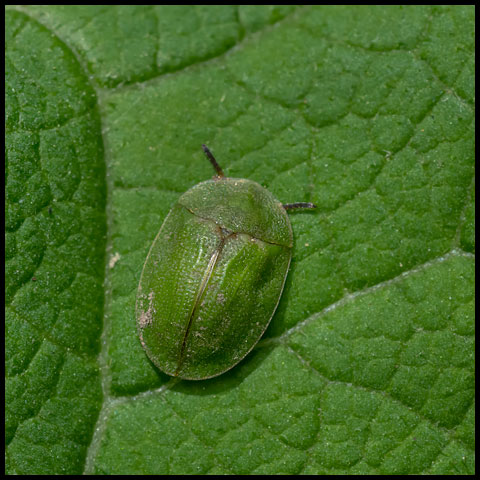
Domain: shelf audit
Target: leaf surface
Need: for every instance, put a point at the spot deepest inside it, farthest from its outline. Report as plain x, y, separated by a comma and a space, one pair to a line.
367, 111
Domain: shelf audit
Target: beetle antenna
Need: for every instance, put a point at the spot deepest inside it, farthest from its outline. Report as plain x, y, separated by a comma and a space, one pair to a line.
292, 206
216, 166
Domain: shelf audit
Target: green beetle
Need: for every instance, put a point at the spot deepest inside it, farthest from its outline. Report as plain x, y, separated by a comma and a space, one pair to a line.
213, 276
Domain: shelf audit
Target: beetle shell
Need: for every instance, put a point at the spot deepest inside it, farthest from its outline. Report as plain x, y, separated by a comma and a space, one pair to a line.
213, 277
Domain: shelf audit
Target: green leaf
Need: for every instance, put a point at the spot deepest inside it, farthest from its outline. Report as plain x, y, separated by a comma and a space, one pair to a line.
368, 364
55, 247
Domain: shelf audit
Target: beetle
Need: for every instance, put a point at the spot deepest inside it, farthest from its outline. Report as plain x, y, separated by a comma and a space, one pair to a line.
214, 275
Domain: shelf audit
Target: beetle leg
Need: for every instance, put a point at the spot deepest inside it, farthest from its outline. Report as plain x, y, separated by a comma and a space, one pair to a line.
291, 206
